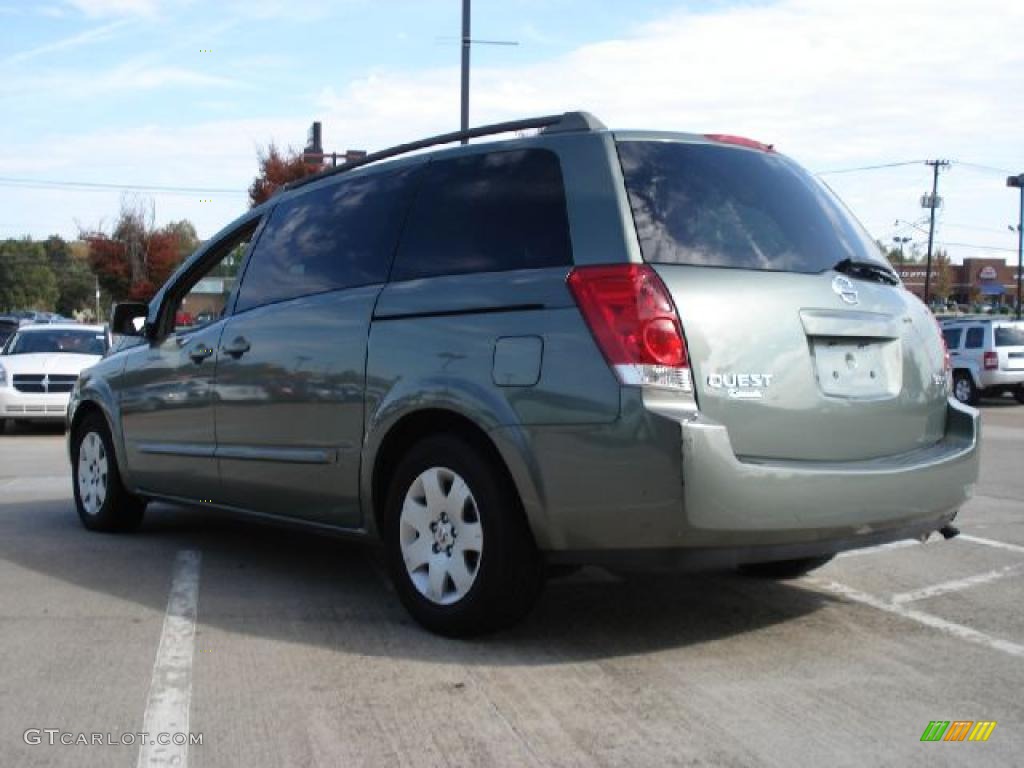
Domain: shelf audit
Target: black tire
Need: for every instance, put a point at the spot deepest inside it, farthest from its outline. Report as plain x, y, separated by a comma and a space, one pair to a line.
119, 510
1018, 393
785, 569
508, 571
964, 389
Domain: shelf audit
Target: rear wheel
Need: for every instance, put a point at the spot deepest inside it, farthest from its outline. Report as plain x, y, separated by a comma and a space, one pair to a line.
785, 569
458, 547
964, 389
103, 502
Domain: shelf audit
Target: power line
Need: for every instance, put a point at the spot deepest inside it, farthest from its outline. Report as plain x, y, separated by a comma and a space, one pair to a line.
9, 181
976, 245
871, 167
976, 229
981, 167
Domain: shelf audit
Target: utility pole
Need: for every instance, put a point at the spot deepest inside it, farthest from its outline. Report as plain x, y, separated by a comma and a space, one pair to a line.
1018, 182
931, 202
97, 299
467, 41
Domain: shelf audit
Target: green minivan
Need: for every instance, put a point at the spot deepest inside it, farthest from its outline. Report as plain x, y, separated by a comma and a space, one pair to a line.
634, 349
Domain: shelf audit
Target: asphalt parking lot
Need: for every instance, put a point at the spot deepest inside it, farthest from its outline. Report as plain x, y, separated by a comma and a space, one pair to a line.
298, 653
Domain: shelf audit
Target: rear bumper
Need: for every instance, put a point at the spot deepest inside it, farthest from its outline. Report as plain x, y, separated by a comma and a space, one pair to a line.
792, 501
714, 508
712, 558
22, 405
1000, 378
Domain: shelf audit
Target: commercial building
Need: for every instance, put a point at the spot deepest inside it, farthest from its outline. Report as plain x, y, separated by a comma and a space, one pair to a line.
986, 281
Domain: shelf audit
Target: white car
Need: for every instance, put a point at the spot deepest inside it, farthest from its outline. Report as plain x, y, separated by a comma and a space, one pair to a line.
39, 366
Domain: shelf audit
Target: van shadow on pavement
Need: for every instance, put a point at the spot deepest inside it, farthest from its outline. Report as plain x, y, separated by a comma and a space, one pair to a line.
302, 587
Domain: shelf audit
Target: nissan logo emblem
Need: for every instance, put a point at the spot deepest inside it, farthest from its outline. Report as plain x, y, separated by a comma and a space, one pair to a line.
844, 289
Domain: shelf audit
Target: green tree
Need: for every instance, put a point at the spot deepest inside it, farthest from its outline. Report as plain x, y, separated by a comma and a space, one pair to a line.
942, 274
76, 284
27, 280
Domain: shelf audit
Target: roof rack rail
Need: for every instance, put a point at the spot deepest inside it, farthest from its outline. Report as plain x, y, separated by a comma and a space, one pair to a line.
564, 123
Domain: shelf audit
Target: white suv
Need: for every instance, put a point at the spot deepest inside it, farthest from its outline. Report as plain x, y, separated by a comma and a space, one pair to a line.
987, 357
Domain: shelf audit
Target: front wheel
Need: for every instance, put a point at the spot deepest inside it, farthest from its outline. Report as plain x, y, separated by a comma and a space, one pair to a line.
103, 502
785, 569
459, 550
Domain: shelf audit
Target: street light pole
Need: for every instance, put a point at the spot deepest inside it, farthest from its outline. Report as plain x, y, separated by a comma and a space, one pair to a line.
900, 241
1018, 182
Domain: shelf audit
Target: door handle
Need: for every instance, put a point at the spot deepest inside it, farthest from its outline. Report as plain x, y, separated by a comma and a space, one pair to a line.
199, 353
237, 348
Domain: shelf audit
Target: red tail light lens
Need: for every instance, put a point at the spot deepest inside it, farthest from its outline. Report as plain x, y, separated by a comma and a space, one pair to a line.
634, 322
947, 362
991, 361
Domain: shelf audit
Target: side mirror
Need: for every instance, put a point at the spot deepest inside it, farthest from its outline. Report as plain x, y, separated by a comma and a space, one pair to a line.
129, 319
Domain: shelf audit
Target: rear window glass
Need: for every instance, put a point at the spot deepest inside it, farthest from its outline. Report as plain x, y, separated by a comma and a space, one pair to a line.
975, 338
715, 206
337, 236
486, 213
952, 337
1009, 336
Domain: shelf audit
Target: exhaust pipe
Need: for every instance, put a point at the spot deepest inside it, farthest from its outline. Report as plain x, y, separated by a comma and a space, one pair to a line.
949, 531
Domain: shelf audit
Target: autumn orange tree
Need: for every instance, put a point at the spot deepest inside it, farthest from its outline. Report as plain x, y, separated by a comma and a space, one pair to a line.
277, 168
136, 258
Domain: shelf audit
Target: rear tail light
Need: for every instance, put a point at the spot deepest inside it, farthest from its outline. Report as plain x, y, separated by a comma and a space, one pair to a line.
991, 361
739, 141
635, 324
947, 362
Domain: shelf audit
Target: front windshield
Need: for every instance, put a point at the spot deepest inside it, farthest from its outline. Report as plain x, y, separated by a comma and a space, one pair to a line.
80, 342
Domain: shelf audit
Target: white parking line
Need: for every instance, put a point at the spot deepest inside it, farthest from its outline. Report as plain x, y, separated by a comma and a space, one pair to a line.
956, 585
928, 620
992, 543
881, 548
170, 689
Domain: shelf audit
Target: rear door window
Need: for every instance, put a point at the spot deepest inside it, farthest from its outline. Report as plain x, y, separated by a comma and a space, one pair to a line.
1009, 336
486, 213
952, 337
717, 206
336, 236
975, 338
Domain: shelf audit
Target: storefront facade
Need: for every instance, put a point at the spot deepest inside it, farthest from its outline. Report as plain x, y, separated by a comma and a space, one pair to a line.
976, 281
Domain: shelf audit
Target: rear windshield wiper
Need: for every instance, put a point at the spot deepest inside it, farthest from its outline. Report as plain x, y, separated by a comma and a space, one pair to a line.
867, 270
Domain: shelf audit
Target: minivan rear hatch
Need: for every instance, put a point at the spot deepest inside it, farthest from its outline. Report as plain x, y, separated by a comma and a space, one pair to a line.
801, 339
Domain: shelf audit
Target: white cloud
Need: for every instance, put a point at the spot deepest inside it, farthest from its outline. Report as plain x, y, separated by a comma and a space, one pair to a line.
89, 36
116, 7
843, 83
835, 84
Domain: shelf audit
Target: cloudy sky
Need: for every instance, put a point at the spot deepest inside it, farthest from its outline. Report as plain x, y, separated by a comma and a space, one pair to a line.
180, 94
